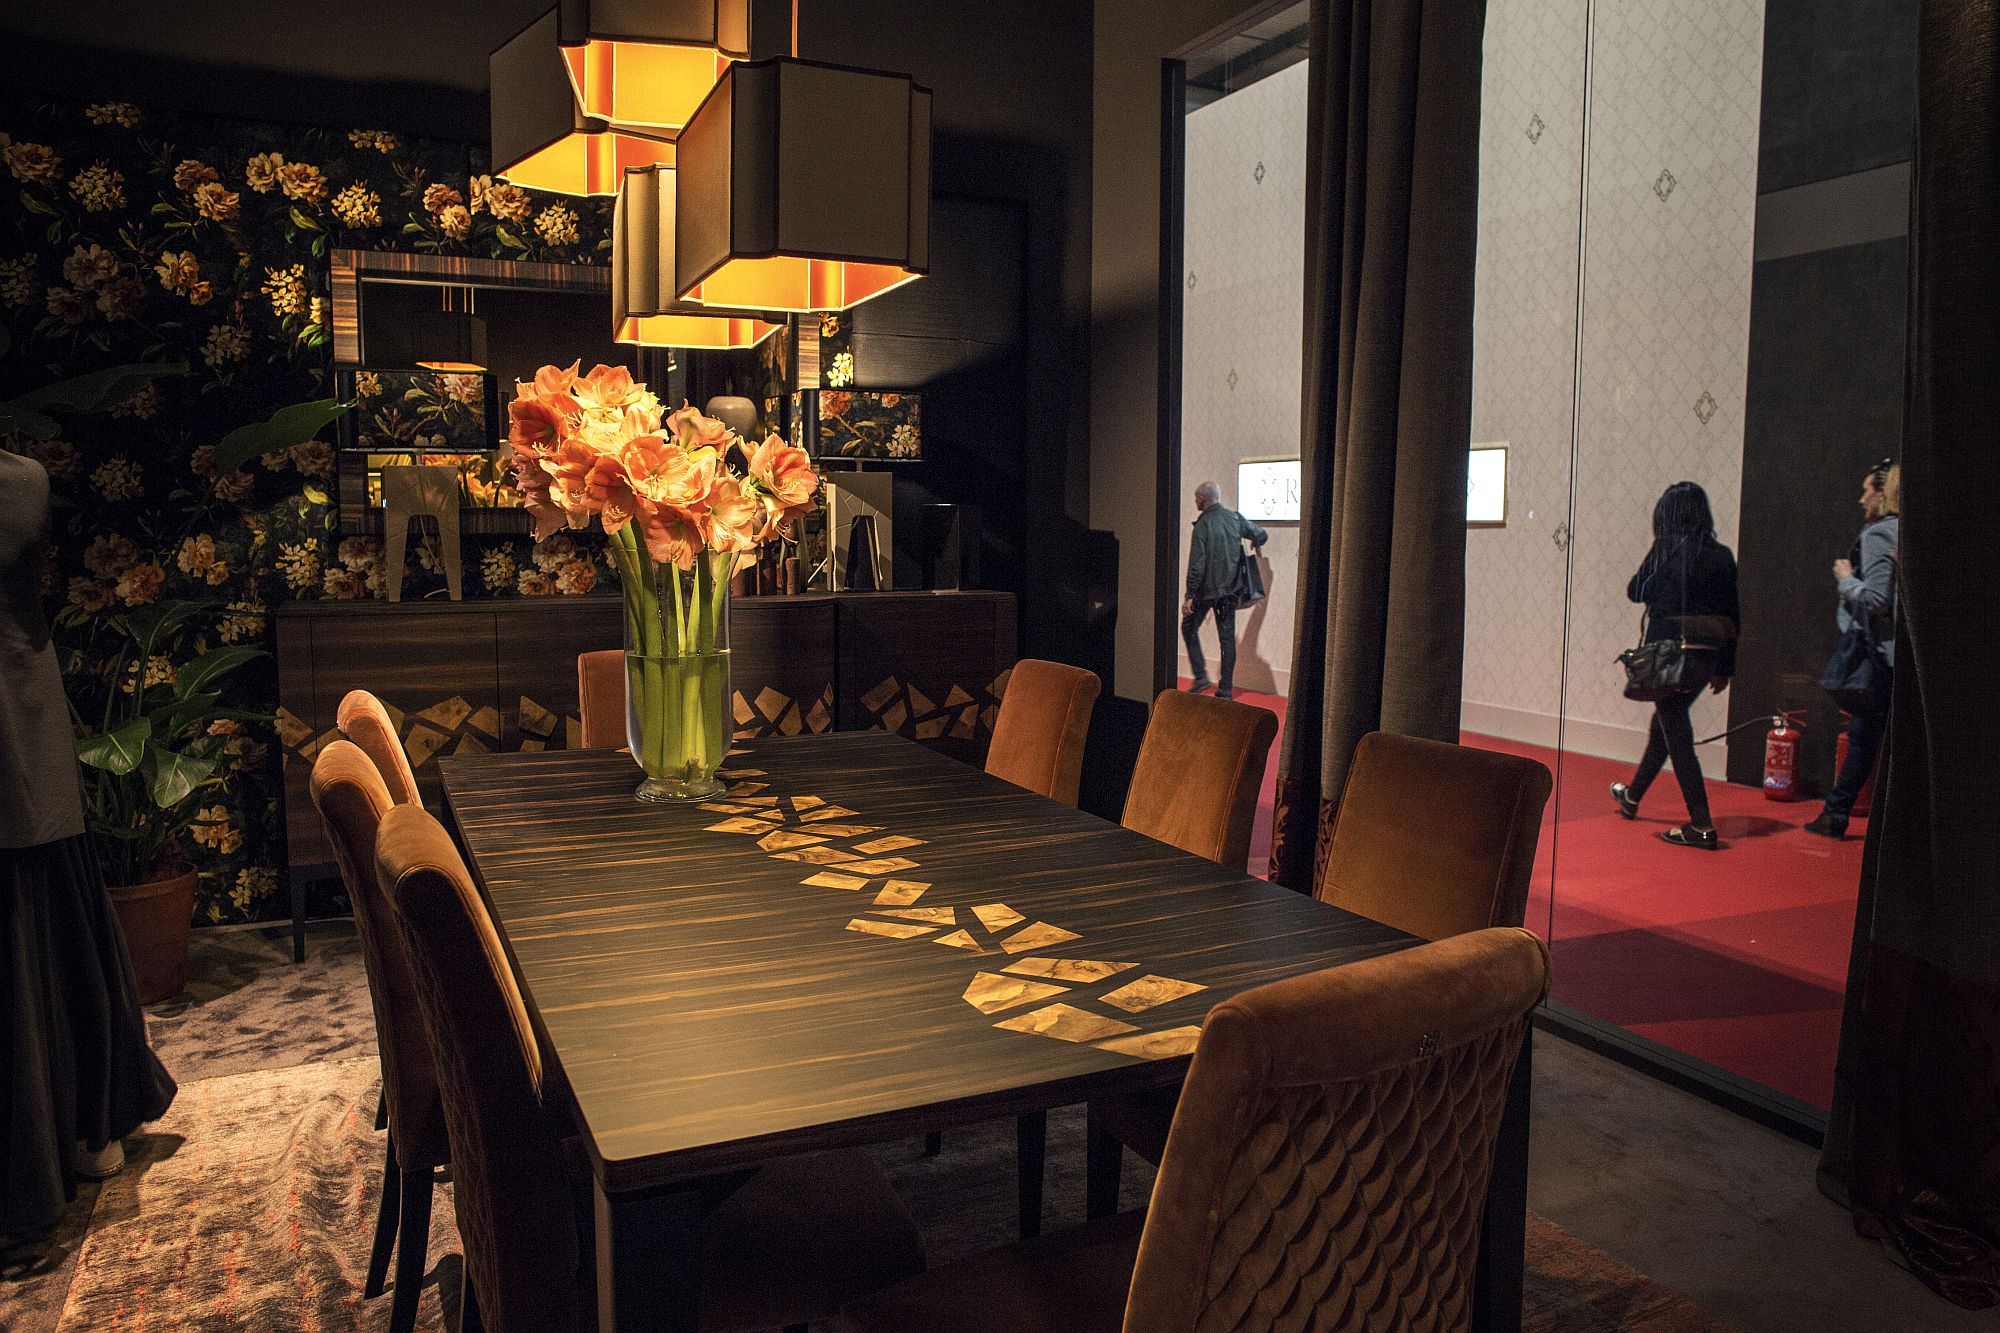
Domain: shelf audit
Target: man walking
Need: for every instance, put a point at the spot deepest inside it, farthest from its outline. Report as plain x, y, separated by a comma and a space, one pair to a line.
1215, 557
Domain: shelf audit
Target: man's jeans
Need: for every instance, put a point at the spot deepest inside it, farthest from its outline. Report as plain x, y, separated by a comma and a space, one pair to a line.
1225, 630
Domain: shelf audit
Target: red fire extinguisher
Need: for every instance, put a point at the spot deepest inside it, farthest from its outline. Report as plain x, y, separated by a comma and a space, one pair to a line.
1866, 798
1781, 757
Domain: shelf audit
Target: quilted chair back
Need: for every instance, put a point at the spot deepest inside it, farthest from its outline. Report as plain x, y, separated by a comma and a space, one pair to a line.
1328, 1162
348, 792
515, 1215
600, 693
1200, 765
363, 720
1435, 839
1039, 736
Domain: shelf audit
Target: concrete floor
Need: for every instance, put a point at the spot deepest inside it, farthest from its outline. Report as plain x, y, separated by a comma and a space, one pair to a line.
1717, 1208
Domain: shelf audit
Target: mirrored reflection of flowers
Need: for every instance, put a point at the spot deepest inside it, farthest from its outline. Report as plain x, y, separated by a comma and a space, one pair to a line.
846, 423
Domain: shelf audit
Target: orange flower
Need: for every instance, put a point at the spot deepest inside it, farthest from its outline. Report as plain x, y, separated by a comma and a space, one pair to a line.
607, 389
536, 421
668, 475
696, 431
784, 478
734, 516
672, 536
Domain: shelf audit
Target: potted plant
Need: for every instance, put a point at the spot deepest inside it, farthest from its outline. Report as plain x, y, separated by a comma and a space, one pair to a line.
149, 749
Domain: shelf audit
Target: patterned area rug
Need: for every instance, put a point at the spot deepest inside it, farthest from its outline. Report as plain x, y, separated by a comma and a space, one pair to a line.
250, 1205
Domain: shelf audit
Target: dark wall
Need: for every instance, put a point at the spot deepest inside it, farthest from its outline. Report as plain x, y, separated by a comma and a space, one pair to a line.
1825, 403
1827, 321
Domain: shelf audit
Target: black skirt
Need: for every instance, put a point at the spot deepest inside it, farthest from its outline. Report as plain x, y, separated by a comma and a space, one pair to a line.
76, 1067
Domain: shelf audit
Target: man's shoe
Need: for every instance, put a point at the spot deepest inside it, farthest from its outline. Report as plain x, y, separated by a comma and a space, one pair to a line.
1225, 692
1687, 835
1201, 683
1628, 804
1828, 826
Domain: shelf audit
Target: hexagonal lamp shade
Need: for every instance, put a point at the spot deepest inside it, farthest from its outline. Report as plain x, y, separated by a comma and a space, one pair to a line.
649, 63
803, 186
644, 310
541, 138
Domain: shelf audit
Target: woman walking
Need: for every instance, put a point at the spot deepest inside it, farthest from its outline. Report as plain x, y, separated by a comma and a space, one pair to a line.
1687, 583
1866, 582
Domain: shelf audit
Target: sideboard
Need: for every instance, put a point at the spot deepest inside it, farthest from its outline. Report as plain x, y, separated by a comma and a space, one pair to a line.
475, 676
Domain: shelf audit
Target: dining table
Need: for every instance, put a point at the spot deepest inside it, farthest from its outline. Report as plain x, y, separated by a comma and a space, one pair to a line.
861, 940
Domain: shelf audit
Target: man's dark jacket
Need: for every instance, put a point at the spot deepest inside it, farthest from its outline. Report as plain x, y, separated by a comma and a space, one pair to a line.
1216, 551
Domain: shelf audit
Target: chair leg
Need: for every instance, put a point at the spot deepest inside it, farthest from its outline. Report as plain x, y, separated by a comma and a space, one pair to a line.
385, 1222
1031, 1132
933, 1143
412, 1250
1104, 1164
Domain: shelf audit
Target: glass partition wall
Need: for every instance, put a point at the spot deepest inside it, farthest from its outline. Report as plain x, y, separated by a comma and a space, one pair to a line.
1691, 269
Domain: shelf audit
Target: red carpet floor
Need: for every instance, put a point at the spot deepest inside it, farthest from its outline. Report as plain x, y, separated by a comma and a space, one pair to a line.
1735, 957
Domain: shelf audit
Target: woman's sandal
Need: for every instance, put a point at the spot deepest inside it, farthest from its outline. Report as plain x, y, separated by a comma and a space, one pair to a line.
1687, 835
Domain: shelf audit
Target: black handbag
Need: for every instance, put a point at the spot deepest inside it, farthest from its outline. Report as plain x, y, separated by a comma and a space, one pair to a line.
1659, 668
1249, 579
1856, 677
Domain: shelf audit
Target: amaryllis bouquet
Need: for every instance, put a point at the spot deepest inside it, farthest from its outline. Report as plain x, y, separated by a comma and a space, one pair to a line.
597, 446
681, 496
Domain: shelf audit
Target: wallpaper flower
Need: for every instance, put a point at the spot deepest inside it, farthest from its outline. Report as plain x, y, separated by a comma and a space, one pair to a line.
130, 233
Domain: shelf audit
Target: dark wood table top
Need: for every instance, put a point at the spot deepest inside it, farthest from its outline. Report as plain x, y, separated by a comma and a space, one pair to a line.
711, 1002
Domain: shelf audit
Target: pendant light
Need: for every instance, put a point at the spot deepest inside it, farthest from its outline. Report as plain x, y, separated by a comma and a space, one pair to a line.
644, 310
541, 138
649, 63
452, 338
803, 187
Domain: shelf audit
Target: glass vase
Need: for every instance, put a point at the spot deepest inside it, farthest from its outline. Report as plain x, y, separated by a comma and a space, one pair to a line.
676, 670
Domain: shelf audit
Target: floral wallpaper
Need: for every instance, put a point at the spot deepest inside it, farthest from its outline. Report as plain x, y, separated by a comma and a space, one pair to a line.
131, 233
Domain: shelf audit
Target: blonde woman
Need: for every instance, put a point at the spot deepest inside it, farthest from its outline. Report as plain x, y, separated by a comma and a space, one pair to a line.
1866, 582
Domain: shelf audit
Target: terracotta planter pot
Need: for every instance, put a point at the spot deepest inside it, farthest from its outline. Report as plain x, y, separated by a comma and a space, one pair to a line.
156, 918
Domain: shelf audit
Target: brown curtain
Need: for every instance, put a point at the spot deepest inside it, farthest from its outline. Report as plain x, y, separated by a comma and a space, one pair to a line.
1914, 1140
1392, 194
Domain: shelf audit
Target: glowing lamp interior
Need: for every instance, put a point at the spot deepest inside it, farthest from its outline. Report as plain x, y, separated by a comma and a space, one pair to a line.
584, 163
786, 282
700, 332
656, 85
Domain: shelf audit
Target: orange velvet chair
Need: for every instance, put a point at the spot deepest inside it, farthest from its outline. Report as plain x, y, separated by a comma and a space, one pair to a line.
363, 720
1435, 839
1327, 1169
351, 797
1039, 736
600, 693
790, 1245
1196, 780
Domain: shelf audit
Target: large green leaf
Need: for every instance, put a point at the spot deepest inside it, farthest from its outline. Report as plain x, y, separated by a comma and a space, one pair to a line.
285, 427
28, 414
118, 750
172, 776
211, 666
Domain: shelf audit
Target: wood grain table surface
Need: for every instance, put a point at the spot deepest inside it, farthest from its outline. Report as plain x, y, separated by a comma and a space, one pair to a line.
710, 1007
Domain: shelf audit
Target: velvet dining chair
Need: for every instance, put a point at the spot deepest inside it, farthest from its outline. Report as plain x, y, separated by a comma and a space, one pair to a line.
793, 1242
352, 798
1433, 839
1038, 738
1327, 1169
600, 693
363, 720
1199, 769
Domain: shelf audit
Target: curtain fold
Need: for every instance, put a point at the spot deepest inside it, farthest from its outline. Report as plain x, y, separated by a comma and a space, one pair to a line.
1913, 1144
1392, 193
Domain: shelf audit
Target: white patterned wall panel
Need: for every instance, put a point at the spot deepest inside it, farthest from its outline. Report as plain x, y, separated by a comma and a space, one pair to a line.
1242, 326
1666, 321
1524, 348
